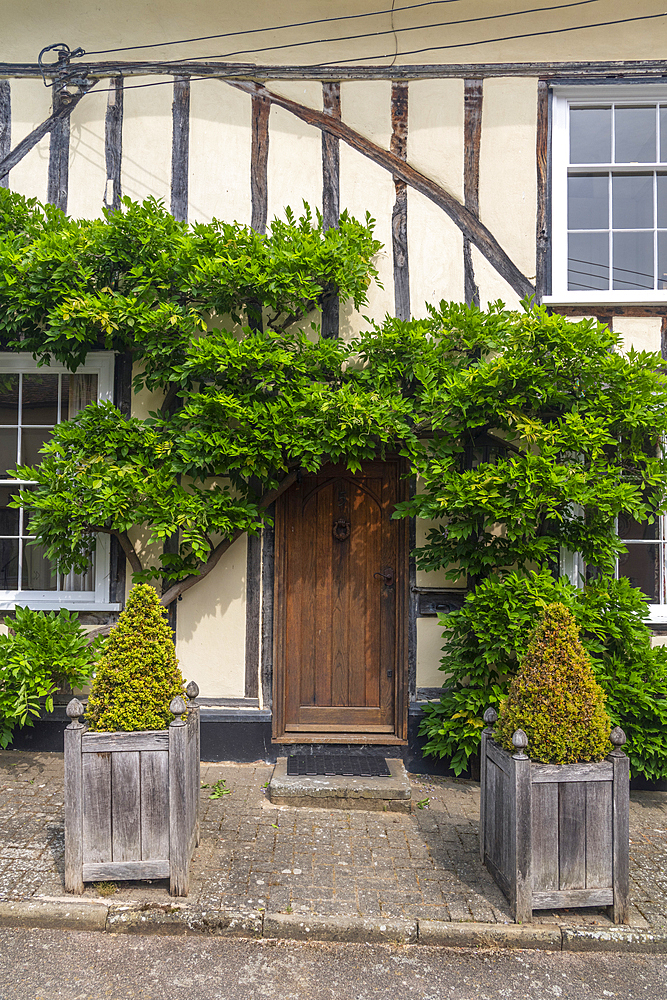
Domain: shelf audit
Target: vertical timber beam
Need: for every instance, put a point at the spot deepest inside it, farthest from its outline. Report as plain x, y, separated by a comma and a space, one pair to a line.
180, 148
113, 145
58, 180
330, 196
259, 159
5, 125
542, 235
472, 137
399, 216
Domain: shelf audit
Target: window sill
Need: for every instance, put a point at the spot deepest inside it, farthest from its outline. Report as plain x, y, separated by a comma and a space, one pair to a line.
607, 299
9, 603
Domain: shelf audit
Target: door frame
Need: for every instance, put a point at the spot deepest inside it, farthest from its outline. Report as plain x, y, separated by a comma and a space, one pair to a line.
401, 664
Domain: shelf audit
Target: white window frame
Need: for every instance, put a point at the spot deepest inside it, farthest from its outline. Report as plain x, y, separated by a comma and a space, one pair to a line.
563, 97
100, 363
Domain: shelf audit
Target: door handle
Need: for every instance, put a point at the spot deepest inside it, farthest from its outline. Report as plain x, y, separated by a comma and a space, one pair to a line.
387, 577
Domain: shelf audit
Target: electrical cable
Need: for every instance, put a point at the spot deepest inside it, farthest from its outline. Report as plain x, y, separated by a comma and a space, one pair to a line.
390, 31
488, 41
436, 48
277, 27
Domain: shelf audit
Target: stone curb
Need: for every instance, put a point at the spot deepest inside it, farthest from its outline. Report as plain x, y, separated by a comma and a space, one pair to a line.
180, 919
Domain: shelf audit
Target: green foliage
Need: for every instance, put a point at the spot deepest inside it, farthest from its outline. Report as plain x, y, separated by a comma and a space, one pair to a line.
43, 653
554, 697
486, 639
137, 675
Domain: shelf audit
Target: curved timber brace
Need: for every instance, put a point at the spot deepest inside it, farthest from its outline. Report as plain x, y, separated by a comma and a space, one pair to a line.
471, 227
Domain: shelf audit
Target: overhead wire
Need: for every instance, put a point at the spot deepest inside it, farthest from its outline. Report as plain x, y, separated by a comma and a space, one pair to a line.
390, 31
432, 48
276, 27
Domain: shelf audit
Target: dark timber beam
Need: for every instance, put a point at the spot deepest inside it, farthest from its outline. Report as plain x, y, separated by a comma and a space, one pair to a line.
543, 218
31, 140
5, 124
180, 148
471, 227
472, 139
58, 177
113, 145
259, 159
596, 71
330, 195
399, 216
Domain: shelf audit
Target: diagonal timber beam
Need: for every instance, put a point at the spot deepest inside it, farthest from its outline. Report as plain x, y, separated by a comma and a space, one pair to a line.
25, 145
470, 226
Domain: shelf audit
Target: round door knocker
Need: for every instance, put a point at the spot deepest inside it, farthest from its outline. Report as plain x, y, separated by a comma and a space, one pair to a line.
341, 529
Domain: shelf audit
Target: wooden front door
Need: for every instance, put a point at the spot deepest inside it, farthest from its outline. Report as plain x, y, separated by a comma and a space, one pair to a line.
340, 593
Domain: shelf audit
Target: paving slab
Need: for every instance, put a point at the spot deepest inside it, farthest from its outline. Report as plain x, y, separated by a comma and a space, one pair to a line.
258, 860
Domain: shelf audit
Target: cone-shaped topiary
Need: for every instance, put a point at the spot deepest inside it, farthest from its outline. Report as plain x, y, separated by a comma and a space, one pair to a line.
137, 675
555, 697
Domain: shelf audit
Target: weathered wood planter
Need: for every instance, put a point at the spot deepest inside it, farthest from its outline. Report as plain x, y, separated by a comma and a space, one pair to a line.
555, 835
132, 800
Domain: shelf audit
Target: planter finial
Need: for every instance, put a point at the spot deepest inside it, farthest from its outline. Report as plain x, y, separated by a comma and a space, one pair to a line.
618, 738
192, 690
520, 741
490, 716
178, 708
74, 712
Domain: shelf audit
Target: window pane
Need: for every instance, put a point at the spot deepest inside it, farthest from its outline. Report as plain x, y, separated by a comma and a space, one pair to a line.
663, 134
9, 518
78, 391
9, 399
9, 563
40, 399
588, 202
633, 260
8, 446
588, 261
32, 439
662, 261
37, 573
629, 528
640, 566
635, 135
662, 200
77, 582
590, 135
632, 201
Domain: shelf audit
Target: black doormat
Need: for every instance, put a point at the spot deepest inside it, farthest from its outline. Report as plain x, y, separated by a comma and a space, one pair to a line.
310, 765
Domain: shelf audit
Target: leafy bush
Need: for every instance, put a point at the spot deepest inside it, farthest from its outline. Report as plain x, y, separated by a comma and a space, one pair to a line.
43, 653
554, 698
137, 675
489, 635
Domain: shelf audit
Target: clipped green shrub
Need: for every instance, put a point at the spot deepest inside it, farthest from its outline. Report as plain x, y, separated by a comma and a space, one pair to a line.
137, 675
43, 653
555, 698
484, 641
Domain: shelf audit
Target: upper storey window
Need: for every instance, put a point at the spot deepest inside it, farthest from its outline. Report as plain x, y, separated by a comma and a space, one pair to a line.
610, 195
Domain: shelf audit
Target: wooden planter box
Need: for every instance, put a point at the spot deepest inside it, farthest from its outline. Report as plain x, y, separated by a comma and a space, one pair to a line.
555, 835
132, 801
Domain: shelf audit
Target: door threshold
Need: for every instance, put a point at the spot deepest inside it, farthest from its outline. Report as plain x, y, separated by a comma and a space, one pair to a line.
380, 739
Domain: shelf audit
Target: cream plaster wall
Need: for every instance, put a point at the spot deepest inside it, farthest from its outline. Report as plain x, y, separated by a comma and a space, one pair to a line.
219, 182
640, 332
31, 104
429, 651
295, 153
507, 168
146, 163
210, 632
31, 24
87, 165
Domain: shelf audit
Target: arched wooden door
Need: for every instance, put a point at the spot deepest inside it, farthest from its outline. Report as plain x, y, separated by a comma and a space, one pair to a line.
340, 607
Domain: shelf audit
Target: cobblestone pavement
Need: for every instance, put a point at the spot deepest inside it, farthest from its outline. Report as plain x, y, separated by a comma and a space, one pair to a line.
255, 856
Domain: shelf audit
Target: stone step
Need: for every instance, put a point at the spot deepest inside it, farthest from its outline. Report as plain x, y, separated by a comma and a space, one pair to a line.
341, 791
